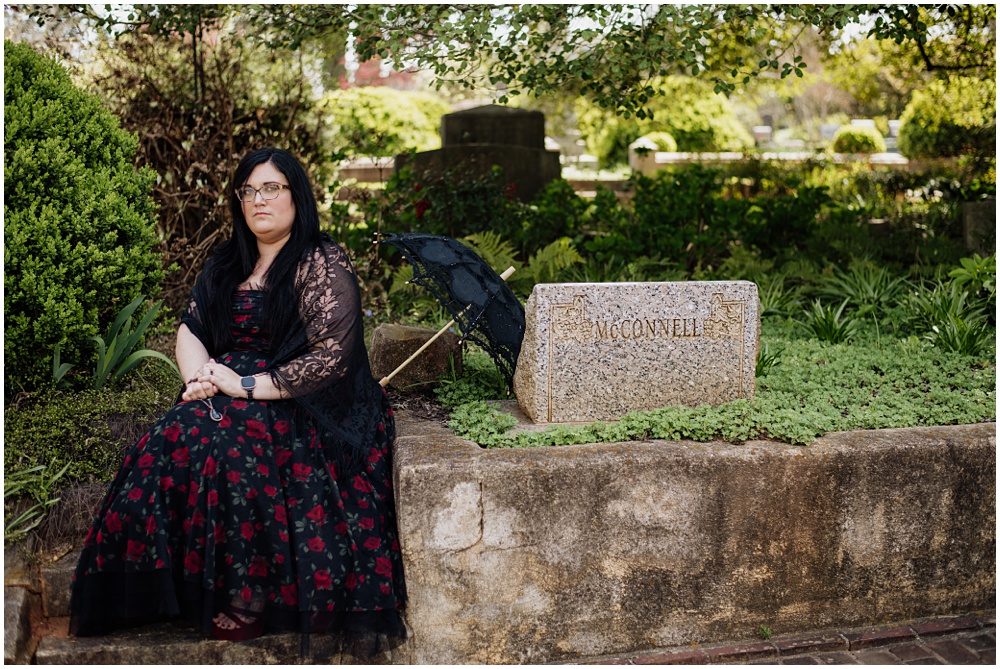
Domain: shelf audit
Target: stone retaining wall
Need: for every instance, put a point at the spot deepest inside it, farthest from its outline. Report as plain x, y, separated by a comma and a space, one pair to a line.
547, 554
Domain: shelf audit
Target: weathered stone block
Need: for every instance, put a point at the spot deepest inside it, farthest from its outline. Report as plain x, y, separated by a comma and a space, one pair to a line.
166, 643
393, 344
527, 168
57, 580
494, 124
550, 554
473, 141
17, 606
595, 351
979, 225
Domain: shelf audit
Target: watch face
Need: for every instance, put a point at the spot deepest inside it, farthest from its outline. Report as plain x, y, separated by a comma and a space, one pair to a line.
248, 382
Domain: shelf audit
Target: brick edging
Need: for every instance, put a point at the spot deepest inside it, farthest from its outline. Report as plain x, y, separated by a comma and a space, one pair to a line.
815, 643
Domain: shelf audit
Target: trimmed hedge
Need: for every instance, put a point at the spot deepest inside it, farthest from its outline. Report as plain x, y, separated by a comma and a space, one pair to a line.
80, 224
855, 139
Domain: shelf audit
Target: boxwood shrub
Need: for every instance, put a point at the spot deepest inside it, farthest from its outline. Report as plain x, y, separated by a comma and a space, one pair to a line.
80, 224
664, 140
855, 139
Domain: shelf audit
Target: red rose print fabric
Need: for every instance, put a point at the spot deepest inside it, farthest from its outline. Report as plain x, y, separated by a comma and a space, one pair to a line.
203, 514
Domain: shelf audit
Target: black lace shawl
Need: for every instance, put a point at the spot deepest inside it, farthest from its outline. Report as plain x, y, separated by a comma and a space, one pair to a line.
322, 362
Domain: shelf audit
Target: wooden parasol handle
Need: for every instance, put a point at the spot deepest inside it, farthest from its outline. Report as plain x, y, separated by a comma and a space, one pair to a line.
385, 380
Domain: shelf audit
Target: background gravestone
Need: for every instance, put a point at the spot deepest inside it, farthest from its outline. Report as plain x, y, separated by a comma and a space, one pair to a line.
979, 225
477, 139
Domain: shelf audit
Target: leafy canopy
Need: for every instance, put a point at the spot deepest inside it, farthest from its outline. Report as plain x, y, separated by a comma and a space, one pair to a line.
950, 118
608, 53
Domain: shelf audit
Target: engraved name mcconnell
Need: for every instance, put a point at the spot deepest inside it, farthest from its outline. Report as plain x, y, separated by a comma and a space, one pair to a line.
570, 322
652, 328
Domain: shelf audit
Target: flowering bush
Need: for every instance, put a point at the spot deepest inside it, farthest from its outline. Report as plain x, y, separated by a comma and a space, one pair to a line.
450, 203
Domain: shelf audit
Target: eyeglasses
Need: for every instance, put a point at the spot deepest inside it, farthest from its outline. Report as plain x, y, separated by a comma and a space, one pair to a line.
267, 191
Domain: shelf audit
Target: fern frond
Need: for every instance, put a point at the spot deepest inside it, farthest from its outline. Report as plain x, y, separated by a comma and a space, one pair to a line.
401, 277
498, 253
546, 264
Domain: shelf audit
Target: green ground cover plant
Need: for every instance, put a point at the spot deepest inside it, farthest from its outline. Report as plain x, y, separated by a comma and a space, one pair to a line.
60, 441
68, 443
88, 429
814, 388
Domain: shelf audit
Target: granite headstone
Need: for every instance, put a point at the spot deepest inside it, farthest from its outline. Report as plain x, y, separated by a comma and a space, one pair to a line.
596, 351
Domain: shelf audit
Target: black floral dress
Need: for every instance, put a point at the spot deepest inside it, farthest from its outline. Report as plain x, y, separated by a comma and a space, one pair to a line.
245, 511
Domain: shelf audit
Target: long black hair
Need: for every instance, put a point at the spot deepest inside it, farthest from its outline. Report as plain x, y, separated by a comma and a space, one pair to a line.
235, 259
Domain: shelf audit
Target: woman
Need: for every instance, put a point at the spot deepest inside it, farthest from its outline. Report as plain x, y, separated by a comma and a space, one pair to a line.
263, 499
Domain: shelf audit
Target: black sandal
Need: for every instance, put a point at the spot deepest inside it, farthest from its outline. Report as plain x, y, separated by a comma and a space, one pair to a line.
249, 624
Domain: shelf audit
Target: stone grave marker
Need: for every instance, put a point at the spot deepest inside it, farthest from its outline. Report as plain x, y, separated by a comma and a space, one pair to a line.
828, 130
763, 134
474, 140
979, 225
596, 351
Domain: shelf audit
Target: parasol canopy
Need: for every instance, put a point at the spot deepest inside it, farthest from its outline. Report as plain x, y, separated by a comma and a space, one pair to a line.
482, 304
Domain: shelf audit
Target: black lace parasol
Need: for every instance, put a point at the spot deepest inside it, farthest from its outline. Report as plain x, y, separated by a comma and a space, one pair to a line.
483, 305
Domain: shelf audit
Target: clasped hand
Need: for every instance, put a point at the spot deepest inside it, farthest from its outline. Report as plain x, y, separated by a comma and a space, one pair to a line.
211, 379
